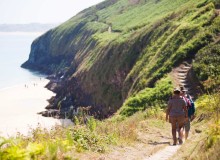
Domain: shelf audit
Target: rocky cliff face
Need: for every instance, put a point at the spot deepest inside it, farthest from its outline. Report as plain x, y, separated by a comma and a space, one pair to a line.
53, 51
113, 50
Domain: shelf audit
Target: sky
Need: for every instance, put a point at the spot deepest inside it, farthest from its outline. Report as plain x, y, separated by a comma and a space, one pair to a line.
41, 11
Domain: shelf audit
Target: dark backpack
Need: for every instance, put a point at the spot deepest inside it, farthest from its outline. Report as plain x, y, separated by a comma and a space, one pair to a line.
190, 106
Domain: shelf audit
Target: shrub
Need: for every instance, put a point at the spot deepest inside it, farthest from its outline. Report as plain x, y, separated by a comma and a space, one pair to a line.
148, 97
207, 66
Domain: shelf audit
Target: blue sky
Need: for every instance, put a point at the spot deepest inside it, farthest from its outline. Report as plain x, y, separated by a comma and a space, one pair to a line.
41, 11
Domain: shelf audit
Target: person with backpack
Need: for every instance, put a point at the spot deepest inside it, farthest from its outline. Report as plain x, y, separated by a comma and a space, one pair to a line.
177, 114
190, 108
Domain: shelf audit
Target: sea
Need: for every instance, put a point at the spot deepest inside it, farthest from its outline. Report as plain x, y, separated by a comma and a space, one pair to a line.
14, 50
22, 92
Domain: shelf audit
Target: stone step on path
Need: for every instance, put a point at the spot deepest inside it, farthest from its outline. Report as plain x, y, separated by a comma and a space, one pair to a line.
164, 154
181, 78
186, 67
183, 81
181, 74
183, 71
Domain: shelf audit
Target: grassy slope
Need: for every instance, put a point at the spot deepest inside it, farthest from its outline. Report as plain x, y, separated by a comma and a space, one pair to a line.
183, 38
147, 39
163, 44
207, 66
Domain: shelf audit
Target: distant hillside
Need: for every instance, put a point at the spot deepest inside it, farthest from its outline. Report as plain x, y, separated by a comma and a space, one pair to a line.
32, 27
117, 54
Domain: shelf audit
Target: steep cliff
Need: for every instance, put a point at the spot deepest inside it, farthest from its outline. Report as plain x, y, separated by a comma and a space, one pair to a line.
110, 53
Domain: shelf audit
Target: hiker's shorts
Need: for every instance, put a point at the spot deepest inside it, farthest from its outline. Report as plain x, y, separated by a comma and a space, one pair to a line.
174, 120
187, 125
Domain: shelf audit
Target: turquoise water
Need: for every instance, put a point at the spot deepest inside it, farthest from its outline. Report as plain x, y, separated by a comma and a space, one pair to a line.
14, 50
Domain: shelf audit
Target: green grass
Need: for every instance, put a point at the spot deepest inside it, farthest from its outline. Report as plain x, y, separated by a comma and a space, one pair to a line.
55, 144
207, 66
178, 41
147, 40
170, 41
148, 97
124, 16
93, 137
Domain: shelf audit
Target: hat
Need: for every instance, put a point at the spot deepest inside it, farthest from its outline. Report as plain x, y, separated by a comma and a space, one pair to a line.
176, 91
183, 89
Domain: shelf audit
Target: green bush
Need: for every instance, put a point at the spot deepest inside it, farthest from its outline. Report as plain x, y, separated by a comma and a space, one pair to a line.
56, 143
148, 97
206, 66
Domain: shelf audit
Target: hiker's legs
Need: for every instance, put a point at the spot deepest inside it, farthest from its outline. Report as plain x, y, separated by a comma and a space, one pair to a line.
173, 122
174, 133
184, 131
177, 129
181, 122
187, 128
181, 132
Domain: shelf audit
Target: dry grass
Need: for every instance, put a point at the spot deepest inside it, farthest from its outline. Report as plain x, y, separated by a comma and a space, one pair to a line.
140, 136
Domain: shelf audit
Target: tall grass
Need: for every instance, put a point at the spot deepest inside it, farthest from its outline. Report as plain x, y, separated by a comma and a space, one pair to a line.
65, 143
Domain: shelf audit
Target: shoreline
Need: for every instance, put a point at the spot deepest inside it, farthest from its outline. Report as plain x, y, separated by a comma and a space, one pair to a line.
42, 80
20, 105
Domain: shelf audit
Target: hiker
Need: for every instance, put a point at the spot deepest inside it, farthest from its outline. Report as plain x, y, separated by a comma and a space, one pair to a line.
190, 108
177, 115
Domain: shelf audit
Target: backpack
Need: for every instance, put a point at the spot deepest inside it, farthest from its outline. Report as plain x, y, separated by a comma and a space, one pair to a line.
190, 105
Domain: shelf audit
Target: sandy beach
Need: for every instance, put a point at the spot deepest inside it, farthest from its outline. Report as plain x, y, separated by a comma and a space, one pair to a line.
19, 106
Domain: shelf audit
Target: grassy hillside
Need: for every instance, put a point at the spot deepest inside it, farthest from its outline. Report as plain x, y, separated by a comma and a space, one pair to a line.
207, 66
116, 50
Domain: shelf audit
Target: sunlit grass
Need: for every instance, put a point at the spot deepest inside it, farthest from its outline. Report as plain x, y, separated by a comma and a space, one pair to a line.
93, 136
